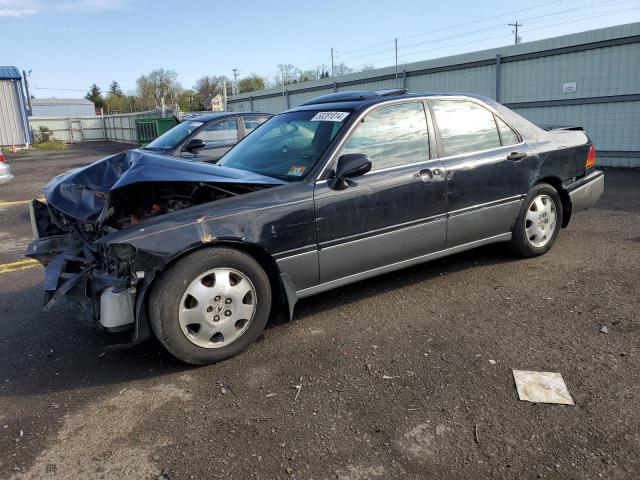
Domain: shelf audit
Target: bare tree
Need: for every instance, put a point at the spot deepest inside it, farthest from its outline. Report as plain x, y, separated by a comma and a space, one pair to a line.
321, 71
341, 69
288, 73
367, 67
160, 86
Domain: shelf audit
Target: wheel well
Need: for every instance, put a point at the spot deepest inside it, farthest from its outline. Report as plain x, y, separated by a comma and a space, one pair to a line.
564, 197
279, 304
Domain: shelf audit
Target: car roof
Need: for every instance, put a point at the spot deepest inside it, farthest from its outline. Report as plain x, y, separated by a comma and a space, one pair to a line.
206, 117
357, 100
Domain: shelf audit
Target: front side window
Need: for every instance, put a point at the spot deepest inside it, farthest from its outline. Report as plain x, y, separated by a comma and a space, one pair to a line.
174, 137
392, 136
465, 126
219, 134
288, 145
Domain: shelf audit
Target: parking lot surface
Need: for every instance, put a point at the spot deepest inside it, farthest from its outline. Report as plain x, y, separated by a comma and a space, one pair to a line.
408, 375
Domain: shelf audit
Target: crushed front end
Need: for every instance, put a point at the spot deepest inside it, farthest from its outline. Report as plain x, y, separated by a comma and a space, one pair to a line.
94, 277
80, 232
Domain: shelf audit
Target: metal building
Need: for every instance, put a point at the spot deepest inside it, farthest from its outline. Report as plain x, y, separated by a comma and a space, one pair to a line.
14, 126
62, 107
589, 79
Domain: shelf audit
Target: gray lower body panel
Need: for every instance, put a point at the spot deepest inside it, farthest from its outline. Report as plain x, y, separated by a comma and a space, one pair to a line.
323, 287
356, 256
586, 195
466, 226
301, 269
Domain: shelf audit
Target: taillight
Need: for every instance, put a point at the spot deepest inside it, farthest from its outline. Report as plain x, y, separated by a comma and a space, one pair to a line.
591, 158
1, 157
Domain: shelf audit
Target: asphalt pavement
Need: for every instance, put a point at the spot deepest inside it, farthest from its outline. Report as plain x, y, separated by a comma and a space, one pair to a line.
407, 376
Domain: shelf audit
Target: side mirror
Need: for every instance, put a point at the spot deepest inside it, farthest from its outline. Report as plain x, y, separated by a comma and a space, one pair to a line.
349, 165
193, 145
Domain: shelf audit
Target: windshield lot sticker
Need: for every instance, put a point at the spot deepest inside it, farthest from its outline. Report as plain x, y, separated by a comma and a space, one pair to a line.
329, 116
296, 171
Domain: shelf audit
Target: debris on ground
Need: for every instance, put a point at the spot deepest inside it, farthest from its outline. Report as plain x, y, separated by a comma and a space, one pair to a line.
164, 475
541, 387
492, 362
269, 395
476, 435
224, 387
298, 388
604, 329
388, 377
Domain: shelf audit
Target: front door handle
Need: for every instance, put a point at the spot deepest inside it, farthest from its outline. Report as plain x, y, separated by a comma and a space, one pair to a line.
516, 155
428, 174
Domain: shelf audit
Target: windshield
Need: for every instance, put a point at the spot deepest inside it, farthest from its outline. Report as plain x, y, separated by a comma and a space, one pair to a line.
174, 137
287, 146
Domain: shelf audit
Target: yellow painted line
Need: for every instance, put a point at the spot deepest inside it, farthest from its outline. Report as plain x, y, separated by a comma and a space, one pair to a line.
18, 202
18, 269
20, 262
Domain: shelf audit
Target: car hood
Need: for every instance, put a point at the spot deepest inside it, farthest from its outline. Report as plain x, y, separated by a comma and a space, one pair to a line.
84, 193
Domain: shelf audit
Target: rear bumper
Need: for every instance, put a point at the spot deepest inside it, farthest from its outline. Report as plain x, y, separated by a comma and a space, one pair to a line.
5, 173
586, 192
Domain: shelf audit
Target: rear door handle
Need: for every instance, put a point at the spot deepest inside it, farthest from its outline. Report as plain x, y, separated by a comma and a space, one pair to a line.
516, 156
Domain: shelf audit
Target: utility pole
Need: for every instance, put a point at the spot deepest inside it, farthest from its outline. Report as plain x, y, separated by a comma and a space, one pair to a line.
515, 31
396, 62
332, 61
235, 80
26, 87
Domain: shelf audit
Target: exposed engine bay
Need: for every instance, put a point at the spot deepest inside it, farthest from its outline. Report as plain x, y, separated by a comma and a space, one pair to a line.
131, 205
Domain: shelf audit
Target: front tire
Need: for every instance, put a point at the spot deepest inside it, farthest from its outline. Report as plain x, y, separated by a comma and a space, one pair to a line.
538, 223
210, 305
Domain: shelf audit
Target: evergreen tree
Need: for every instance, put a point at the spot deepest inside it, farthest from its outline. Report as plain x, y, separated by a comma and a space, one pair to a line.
95, 95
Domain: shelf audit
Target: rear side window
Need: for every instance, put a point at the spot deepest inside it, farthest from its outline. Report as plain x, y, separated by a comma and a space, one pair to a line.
507, 135
465, 126
250, 123
220, 134
392, 136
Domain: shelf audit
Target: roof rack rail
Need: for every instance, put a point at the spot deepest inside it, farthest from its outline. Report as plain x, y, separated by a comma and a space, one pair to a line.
354, 96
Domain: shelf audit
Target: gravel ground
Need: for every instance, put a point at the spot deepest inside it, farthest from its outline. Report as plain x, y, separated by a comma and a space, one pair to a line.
404, 376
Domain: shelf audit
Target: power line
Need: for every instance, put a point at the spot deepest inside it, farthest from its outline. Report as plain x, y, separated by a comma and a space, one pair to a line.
484, 29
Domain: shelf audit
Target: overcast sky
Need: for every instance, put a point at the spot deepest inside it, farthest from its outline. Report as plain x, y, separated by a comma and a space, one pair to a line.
71, 44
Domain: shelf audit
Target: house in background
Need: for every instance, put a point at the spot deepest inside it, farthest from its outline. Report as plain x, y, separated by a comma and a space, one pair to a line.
14, 125
62, 107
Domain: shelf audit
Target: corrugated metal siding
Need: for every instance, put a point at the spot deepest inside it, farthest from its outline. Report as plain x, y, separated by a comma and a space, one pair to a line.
11, 114
479, 80
63, 110
602, 72
611, 126
529, 72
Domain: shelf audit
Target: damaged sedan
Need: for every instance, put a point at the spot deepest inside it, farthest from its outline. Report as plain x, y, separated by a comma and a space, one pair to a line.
342, 188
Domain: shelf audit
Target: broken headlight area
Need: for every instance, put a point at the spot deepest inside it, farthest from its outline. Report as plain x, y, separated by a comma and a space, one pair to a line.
78, 270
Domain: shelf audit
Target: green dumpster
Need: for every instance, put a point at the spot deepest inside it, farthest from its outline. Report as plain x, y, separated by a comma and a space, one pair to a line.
149, 129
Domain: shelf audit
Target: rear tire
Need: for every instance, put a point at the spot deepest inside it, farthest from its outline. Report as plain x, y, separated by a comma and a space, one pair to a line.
210, 305
538, 223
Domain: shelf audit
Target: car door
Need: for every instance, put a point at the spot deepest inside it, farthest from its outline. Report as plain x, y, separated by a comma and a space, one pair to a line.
393, 213
219, 136
485, 182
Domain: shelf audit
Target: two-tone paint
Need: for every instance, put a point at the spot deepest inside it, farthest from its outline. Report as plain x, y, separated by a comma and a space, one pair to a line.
311, 238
